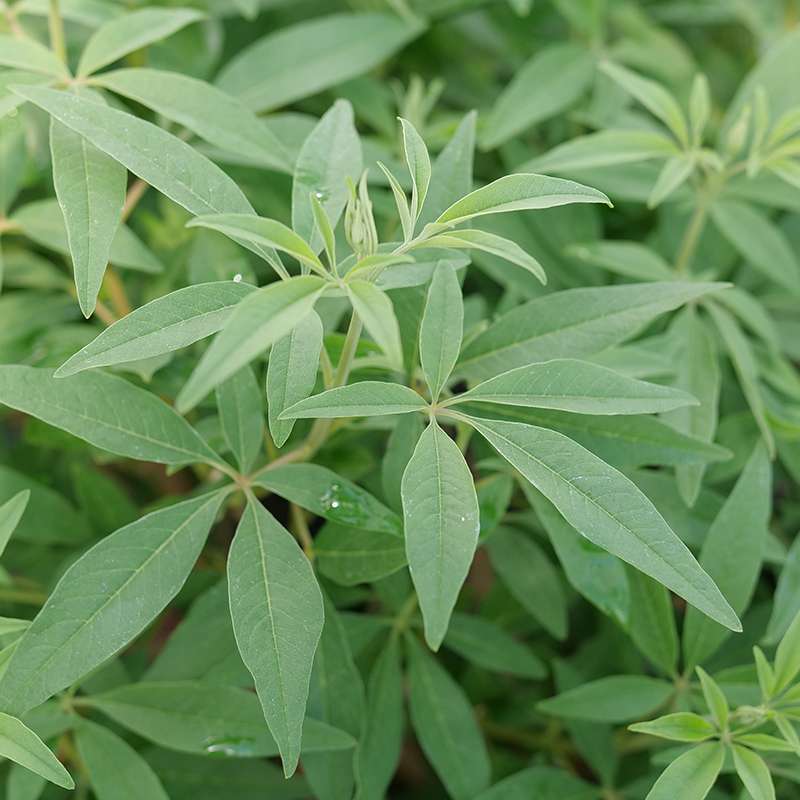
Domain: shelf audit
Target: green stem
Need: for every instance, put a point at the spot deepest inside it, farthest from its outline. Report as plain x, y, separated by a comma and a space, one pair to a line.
691, 237
56, 24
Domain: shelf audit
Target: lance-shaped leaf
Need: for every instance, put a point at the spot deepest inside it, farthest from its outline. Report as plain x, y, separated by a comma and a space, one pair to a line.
419, 166
105, 599
21, 52
261, 319
130, 32
607, 508
278, 614
580, 386
603, 149
161, 326
20, 744
292, 373
329, 156
691, 775
618, 698
241, 415
349, 556
442, 521
754, 772
682, 726
441, 329
631, 259
116, 770
331, 496
759, 241
215, 116
519, 192
305, 58
651, 622
551, 81
10, 514
107, 411
90, 187
787, 656
572, 324
657, 100
363, 399
732, 553
382, 740
195, 717
488, 243
531, 578
377, 313
445, 726
261, 232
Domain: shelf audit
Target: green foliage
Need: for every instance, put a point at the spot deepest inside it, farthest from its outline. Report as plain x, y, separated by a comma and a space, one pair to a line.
399, 398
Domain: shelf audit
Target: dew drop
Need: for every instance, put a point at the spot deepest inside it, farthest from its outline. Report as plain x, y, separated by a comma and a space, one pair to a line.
319, 195
237, 278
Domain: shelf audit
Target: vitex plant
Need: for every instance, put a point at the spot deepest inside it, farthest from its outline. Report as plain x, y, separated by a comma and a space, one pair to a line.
346, 423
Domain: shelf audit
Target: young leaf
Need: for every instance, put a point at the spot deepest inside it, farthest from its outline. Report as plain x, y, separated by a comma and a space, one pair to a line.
754, 773
292, 373
329, 156
419, 165
732, 553
787, 658
673, 175
401, 202
530, 577
518, 193
488, 243
377, 312
607, 508
262, 233
277, 613
691, 775
363, 399
10, 514
382, 740
131, 32
306, 58
657, 100
572, 324
105, 599
682, 726
441, 521
618, 698
106, 411
441, 329
21, 52
551, 81
161, 326
116, 770
261, 319
331, 496
577, 386
216, 117
21, 745
90, 187
445, 726
241, 415
715, 698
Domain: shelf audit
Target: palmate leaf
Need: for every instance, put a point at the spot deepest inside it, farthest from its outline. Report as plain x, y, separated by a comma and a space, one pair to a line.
441, 521
579, 386
105, 599
264, 317
607, 508
163, 325
277, 612
106, 411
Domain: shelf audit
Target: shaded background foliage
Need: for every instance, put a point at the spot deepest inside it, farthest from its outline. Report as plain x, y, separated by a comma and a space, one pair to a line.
543, 610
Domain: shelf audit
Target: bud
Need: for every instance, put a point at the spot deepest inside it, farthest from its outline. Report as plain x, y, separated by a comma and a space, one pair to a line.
359, 223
